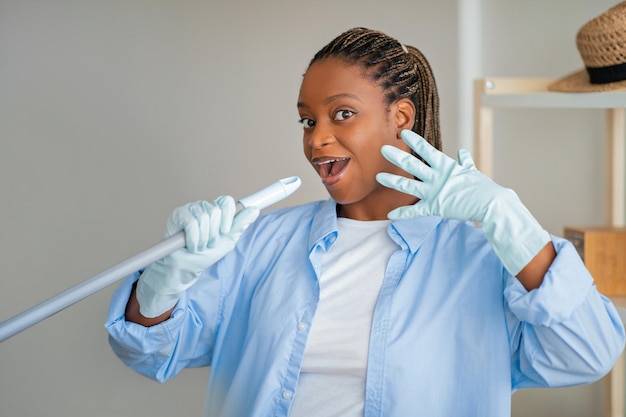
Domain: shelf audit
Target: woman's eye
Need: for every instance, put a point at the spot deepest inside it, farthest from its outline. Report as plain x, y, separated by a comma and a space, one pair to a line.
306, 122
343, 114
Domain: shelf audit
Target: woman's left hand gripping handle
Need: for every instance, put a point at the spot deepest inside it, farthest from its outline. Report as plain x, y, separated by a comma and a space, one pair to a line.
211, 231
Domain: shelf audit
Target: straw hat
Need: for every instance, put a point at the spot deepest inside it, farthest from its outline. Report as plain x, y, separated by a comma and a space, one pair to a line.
601, 43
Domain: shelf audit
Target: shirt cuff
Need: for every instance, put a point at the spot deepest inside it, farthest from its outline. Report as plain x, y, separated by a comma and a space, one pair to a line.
126, 336
564, 288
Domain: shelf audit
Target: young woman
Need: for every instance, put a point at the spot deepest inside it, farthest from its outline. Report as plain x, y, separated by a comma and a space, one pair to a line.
420, 287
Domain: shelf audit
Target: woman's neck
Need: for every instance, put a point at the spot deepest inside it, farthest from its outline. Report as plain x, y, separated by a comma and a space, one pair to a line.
375, 207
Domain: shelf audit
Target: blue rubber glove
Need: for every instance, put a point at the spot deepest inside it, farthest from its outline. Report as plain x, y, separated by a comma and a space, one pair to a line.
211, 231
457, 190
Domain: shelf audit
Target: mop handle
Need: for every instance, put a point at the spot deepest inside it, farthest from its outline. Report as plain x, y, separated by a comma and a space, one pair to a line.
273, 193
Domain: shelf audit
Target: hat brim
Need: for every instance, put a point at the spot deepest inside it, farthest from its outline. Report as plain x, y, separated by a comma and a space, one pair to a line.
578, 82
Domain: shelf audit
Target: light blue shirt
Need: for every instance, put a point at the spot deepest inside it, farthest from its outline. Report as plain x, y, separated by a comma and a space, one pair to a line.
453, 334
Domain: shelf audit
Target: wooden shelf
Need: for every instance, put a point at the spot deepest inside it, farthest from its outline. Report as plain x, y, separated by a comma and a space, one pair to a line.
557, 100
490, 93
533, 93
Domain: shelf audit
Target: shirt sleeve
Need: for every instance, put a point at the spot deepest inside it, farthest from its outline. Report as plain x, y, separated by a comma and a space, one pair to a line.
186, 339
564, 332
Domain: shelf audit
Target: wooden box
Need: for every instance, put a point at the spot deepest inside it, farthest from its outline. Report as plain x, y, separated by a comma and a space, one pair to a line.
603, 249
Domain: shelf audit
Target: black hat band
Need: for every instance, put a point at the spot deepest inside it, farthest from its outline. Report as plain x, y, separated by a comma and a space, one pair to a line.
605, 75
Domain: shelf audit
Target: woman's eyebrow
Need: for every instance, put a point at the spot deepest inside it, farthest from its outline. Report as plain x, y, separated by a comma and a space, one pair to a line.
341, 95
333, 98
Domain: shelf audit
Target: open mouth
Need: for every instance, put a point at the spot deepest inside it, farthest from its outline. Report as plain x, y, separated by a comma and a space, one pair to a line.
331, 169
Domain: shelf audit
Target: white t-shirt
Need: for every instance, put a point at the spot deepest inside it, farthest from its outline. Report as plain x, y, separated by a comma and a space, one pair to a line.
332, 379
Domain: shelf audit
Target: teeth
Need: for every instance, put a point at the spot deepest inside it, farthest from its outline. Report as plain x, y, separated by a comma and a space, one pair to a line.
330, 161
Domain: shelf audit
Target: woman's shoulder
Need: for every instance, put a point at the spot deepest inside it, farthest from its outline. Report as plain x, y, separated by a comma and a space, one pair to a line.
310, 207
289, 217
297, 211
282, 224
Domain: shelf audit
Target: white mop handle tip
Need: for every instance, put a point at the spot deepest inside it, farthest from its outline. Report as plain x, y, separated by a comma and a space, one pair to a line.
272, 194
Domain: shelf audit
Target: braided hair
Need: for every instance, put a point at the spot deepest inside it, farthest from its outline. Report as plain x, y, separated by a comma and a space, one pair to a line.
401, 71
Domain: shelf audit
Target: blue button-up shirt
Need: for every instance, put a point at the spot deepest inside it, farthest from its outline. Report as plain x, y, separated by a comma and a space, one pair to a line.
453, 334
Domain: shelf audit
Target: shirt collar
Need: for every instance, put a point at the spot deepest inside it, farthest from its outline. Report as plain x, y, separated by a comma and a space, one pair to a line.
412, 232
409, 233
324, 226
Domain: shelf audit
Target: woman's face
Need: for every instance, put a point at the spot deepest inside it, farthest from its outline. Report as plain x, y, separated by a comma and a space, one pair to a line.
345, 124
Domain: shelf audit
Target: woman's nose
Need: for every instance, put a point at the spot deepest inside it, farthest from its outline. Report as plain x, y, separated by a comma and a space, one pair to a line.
321, 136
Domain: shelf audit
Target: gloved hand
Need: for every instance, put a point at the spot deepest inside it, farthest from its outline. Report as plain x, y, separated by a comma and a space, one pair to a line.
459, 191
211, 231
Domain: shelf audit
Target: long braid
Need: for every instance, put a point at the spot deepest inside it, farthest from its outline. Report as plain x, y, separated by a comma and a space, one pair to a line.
400, 74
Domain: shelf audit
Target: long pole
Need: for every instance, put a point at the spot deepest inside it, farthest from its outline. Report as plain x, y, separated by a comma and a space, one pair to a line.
272, 194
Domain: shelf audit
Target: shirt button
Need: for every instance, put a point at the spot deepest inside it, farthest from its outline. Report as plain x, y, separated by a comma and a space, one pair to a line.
286, 395
302, 326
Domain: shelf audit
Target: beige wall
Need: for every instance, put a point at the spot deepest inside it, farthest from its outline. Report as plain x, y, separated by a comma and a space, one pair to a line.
112, 113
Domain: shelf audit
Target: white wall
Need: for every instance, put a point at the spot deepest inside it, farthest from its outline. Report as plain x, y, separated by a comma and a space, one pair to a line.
112, 113
554, 159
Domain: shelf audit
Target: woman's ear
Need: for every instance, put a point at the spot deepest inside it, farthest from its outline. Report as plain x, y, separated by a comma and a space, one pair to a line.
404, 115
